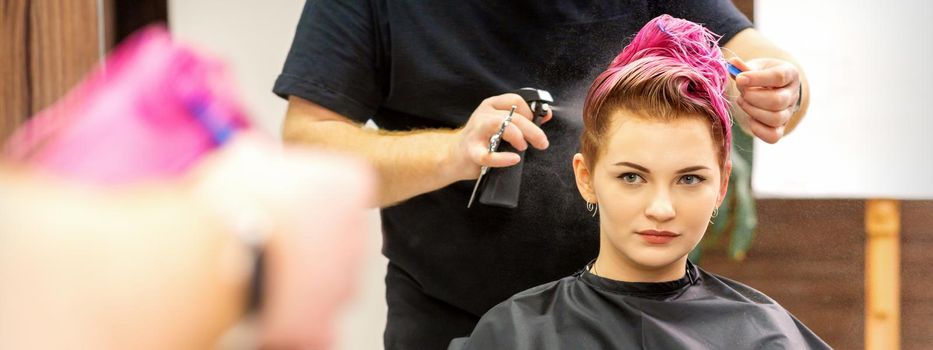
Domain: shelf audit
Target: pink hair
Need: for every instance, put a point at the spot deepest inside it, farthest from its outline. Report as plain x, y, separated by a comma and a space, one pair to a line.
153, 113
673, 67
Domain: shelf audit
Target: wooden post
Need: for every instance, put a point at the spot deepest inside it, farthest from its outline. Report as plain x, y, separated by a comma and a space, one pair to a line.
882, 275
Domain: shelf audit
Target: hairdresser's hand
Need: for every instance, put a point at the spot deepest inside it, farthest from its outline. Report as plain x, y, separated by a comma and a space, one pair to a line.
313, 205
768, 93
470, 147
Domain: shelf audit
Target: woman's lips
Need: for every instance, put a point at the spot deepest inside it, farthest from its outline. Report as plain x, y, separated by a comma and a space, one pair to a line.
657, 237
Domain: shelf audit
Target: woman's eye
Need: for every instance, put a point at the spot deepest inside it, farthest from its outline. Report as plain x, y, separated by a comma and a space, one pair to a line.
691, 179
630, 178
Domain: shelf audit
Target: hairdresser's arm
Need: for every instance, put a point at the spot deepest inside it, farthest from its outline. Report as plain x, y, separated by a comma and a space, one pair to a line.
145, 268
416, 162
114, 268
765, 96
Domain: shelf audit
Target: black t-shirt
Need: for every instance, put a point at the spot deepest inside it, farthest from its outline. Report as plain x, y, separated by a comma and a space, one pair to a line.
426, 64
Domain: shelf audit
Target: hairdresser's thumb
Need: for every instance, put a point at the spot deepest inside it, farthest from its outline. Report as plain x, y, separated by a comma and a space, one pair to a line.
740, 64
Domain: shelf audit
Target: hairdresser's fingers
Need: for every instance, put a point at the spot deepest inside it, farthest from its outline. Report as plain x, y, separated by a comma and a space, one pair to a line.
547, 117
481, 156
774, 100
775, 74
505, 102
513, 136
532, 132
739, 63
468, 148
764, 132
481, 139
770, 118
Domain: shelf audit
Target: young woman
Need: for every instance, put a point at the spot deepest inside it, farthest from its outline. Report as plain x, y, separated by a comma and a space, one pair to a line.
654, 164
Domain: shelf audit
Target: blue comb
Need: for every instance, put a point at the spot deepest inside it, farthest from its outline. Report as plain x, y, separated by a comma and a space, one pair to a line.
733, 70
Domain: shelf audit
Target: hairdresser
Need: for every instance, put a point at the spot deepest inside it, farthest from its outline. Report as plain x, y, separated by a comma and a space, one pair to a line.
434, 77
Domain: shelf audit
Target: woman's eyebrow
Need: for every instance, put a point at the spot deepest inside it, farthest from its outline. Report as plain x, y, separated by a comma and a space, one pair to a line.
692, 168
681, 171
636, 166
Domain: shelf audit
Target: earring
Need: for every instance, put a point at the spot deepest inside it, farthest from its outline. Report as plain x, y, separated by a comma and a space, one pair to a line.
715, 214
592, 207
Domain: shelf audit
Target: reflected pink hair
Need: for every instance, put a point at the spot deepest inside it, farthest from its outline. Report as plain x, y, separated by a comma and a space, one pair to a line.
156, 110
671, 69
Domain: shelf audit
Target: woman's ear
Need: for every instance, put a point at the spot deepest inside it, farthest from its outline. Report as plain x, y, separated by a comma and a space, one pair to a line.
724, 184
584, 178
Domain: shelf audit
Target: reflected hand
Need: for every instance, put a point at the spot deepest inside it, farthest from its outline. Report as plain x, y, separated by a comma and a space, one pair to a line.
316, 204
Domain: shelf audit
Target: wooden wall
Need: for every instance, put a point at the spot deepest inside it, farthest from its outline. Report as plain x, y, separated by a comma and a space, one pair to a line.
45, 48
48, 46
809, 255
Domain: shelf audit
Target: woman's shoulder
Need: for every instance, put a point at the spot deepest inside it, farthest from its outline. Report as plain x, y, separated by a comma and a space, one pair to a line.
538, 300
727, 288
521, 318
753, 313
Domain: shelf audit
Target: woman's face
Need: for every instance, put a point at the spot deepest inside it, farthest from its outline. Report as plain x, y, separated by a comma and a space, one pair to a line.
656, 183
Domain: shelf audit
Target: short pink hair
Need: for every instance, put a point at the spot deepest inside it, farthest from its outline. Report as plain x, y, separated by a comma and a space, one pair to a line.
671, 69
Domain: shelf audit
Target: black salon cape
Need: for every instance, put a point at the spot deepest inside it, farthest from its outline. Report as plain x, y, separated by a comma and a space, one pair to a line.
585, 311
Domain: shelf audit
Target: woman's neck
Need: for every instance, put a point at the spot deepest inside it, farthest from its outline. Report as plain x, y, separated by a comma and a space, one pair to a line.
609, 264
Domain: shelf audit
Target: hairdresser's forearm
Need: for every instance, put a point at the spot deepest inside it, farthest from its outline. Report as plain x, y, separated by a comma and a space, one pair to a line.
408, 163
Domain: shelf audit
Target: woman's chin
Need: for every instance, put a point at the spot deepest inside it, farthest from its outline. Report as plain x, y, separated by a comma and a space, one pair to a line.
657, 260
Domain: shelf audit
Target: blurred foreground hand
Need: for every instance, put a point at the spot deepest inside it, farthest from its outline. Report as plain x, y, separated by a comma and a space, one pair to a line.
159, 265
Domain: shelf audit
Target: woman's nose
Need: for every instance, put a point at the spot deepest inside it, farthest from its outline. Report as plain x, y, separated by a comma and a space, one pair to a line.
660, 209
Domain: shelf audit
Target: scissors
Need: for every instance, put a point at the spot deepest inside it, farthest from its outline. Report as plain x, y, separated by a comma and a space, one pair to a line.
493, 146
